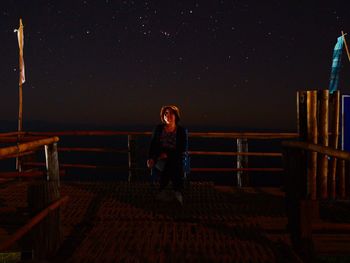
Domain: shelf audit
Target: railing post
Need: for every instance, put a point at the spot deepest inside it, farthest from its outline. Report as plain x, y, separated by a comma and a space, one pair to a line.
342, 179
46, 235
301, 211
302, 114
242, 162
52, 166
131, 156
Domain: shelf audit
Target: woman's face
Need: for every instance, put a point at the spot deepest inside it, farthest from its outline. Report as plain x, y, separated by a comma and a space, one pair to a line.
169, 116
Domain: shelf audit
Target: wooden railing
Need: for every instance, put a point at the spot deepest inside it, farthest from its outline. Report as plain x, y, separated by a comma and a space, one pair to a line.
305, 189
43, 197
315, 186
136, 157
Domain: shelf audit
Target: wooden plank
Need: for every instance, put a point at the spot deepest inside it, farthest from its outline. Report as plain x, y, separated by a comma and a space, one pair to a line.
330, 228
332, 244
86, 149
236, 169
34, 221
317, 148
312, 137
322, 162
271, 154
23, 147
249, 135
83, 166
334, 140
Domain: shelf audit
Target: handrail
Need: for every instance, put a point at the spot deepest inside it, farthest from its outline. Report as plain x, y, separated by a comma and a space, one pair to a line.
247, 135
318, 148
234, 135
132, 136
34, 221
20, 139
52, 177
235, 153
236, 169
28, 146
91, 149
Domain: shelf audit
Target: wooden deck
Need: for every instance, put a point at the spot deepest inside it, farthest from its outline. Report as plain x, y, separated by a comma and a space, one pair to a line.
122, 222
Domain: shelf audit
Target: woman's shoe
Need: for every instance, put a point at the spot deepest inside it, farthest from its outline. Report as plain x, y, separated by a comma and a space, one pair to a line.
178, 196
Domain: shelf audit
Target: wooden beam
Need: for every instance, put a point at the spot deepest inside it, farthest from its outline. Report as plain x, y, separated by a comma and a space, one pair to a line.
23, 147
34, 221
318, 148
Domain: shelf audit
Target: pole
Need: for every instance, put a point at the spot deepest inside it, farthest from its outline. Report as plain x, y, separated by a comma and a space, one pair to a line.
346, 46
312, 137
20, 37
322, 164
335, 115
20, 108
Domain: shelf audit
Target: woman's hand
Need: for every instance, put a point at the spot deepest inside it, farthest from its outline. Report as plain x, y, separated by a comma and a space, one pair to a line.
163, 156
150, 163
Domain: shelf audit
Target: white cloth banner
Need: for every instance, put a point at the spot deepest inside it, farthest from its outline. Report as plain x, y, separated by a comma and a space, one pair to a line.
20, 37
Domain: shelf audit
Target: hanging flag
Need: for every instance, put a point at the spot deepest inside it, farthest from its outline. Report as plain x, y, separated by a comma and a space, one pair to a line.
338, 48
20, 37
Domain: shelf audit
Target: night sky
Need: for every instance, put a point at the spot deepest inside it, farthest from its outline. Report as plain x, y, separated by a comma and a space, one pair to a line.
224, 63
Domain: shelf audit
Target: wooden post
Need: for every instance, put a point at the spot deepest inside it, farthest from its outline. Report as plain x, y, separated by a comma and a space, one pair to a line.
312, 137
47, 235
131, 156
302, 114
322, 165
20, 114
295, 184
347, 179
242, 162
20, 36
334, 139
346, 46
301, 211
20, 122
307, 214
342, 179
52, 165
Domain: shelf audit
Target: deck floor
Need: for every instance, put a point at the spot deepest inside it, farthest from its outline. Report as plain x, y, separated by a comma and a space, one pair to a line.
122, 222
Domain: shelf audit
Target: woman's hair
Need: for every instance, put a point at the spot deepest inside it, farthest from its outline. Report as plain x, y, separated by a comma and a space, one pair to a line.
174, 109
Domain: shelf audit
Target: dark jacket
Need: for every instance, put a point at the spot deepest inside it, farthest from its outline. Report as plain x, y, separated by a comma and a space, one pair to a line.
155, 148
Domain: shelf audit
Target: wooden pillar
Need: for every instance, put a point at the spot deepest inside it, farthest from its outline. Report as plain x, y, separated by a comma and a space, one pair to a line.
52, 166
347, 179
312, 138
342, 179
301, 211
334, 140
302, 114
47, 234
295, 184
322, 164
242, 162
131, 156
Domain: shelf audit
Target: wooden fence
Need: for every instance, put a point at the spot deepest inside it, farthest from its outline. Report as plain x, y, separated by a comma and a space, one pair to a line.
43, 199
134, 165
301, 194
318, 123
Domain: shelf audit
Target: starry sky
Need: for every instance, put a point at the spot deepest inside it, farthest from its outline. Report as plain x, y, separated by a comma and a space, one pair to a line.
225, 63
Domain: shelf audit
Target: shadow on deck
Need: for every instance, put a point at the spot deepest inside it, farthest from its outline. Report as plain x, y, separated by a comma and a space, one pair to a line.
123, 222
